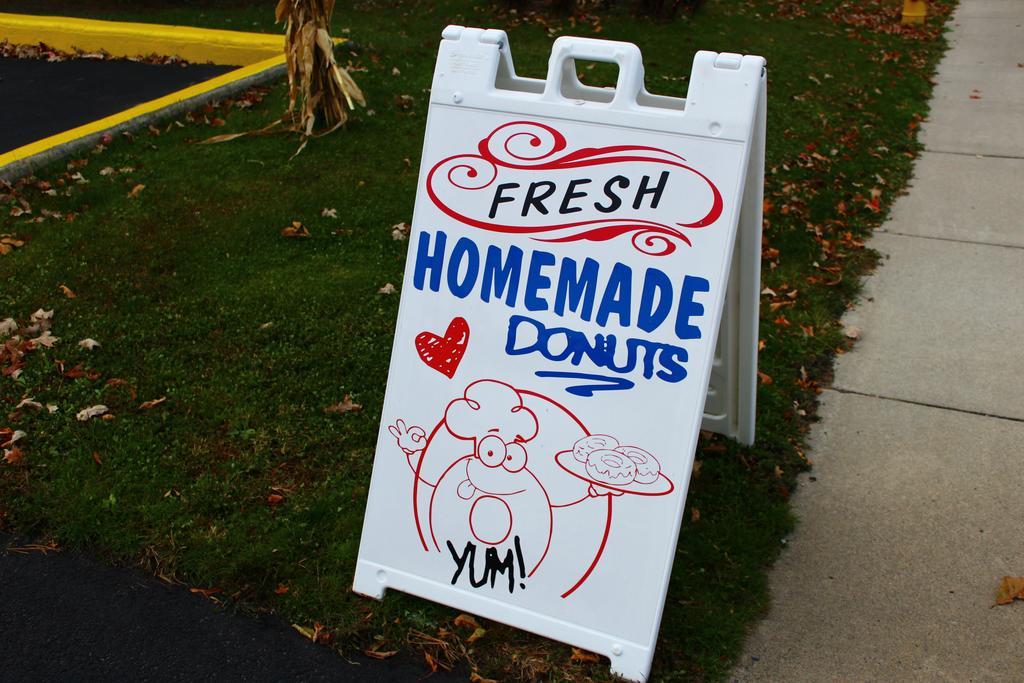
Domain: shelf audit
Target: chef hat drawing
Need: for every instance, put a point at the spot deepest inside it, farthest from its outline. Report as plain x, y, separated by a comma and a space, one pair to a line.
490, 407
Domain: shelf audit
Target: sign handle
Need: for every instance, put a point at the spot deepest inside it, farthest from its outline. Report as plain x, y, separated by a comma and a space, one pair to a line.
562, 78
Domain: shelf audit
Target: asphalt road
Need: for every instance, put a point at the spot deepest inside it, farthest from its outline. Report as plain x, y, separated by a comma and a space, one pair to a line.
66, 617
43, 98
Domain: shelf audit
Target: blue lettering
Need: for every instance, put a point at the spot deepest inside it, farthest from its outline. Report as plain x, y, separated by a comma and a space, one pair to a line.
466, 249
425, 261
578, 289
651, 315
502, 277
672, 359
689, 308
617, 295
536, 282
513, 335
561, 344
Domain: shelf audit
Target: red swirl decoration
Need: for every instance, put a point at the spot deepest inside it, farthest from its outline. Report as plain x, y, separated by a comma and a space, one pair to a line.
527, 145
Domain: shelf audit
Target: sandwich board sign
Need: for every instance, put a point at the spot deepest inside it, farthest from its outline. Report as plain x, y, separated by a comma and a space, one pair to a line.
573, 250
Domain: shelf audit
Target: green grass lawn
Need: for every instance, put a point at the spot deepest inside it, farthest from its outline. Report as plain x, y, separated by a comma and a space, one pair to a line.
195, 296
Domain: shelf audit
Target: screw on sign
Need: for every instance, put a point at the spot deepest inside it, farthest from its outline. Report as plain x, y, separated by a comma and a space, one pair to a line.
570, 256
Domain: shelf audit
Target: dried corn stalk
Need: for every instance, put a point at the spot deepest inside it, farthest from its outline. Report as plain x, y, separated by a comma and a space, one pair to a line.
317, 87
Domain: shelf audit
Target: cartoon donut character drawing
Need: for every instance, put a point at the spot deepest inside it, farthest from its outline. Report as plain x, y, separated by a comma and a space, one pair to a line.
488, 495
493, 489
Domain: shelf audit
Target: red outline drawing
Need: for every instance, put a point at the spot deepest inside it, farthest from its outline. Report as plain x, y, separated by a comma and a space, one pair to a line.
509, 146
477, 536
492, 415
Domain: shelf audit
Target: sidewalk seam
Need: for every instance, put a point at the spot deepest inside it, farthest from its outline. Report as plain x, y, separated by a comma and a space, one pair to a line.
977, 155
925, 404
950, 239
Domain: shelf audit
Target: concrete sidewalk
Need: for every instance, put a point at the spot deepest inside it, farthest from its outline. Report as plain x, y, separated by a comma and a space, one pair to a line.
916, 509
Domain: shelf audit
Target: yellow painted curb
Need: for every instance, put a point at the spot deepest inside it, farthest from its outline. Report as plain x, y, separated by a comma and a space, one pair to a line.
126, 39
261, 54
112, 121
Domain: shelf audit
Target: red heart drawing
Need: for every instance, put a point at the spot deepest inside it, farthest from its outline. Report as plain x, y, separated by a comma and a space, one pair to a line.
444, 353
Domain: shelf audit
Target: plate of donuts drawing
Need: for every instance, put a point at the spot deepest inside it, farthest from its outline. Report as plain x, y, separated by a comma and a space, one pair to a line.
605, 463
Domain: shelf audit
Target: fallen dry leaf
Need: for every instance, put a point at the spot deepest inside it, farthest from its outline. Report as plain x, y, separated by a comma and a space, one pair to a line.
317, 634
79, 372
8, 243
466, 620
8, 326
1010, 588
764, 377
67, 291
13, 456
205, 592
41, 315
97, 459
281, 589
387, 289
377, 654
399, 231
136, 191
88, 413
694, 515
579, 655
152, 404
227, 137
88, 344
320, 634
477, 635
306, 632
275, 499
44, 548
474, 677
346, 406
29, 403
296, 229
46, 339
8, 437
329, 213
852, 332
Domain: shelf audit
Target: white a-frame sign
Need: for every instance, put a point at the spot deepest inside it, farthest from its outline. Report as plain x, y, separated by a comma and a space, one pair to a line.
573, 252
